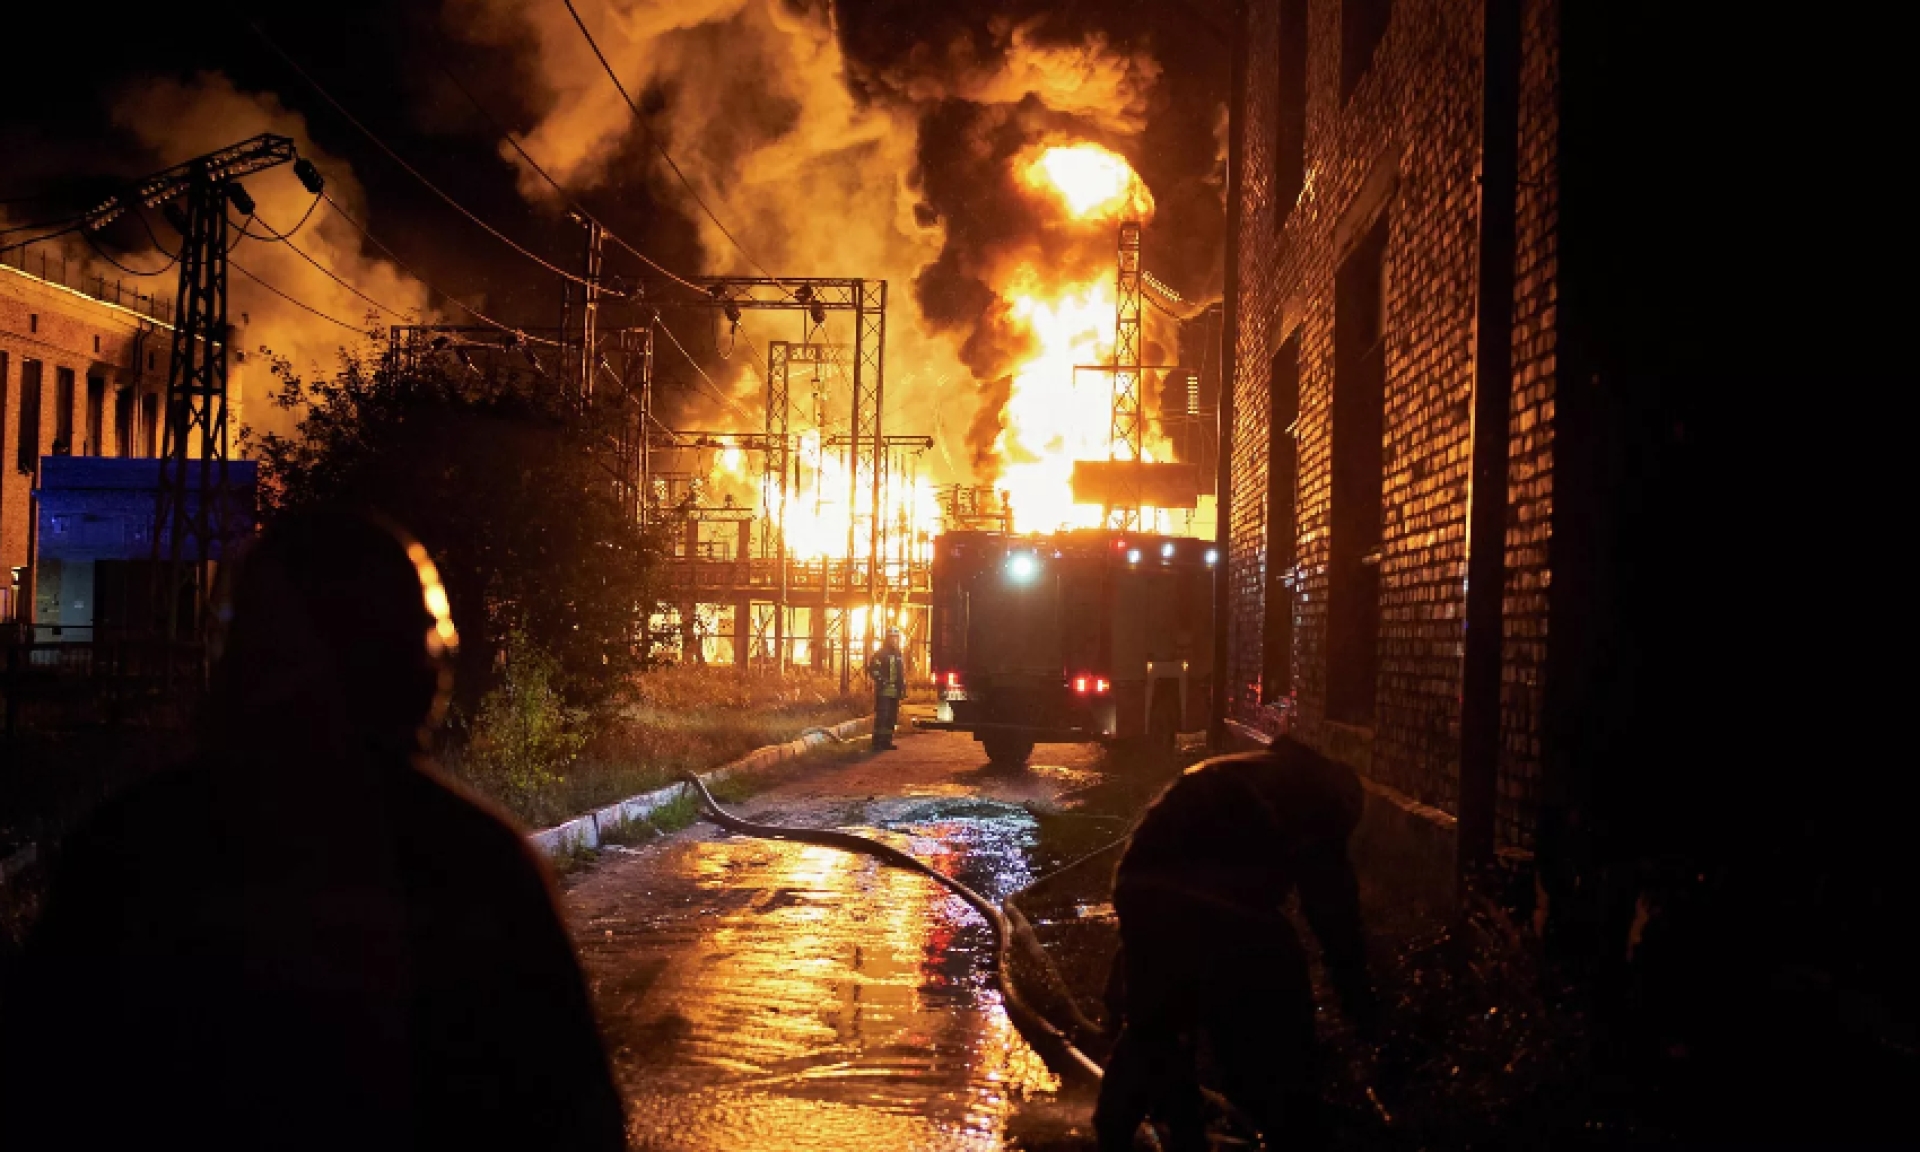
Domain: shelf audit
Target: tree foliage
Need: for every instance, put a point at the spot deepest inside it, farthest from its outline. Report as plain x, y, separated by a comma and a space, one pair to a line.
523, 737
510, 489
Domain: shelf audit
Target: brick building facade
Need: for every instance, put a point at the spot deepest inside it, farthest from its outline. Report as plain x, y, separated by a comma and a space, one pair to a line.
1359, 233
79, 375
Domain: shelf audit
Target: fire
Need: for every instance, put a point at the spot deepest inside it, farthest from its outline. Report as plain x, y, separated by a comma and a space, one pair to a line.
1093, 182
1056, 415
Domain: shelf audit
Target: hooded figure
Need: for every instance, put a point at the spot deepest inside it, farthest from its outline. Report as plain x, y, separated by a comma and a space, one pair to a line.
305, 938
1208, 954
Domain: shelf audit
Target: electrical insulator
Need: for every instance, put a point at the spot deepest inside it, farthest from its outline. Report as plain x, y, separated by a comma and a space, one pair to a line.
310, 177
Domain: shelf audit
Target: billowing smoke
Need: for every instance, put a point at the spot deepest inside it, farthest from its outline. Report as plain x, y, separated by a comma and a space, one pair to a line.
179, 119
882, 140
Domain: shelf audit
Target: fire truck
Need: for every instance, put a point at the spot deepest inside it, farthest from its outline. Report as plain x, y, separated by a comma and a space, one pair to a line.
1087, 635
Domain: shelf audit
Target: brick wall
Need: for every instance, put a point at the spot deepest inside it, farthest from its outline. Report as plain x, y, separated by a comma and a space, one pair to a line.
62, 328
1406, 143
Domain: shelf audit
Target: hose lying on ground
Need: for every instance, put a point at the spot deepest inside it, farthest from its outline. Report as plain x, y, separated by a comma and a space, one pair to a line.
828, 733
1067, 1061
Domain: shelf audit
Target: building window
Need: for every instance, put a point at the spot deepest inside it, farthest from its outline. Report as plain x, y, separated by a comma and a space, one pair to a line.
96, 344
149, 359
1359, 428
1290, 112
150, 424
63, 412
27, 445
123, 422
4, 365
1283, 465
1363, 23
33, 322
96, 416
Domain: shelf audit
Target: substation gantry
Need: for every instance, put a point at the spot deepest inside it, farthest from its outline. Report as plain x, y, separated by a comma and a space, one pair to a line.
194, 509
816, 297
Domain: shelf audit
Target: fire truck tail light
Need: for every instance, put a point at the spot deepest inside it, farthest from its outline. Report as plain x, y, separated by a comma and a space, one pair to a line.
1080, 684
950, 679
1101, 685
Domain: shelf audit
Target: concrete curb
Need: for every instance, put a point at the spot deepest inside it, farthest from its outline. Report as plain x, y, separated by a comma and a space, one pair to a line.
583, 832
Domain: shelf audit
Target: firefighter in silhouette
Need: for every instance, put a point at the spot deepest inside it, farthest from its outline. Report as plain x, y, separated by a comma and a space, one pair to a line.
888, 671
305, 938
1208, 956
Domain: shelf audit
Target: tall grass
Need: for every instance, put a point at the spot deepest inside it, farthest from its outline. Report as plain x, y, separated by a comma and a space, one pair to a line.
680, 719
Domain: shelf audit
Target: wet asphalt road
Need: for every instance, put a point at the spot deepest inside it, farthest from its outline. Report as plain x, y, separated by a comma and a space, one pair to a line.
759, 994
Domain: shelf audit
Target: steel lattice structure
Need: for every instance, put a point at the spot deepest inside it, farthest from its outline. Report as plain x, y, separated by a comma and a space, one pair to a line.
816, 296
193, 506
1126, 434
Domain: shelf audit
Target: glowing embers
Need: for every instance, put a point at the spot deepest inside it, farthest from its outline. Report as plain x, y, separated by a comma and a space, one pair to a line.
1091, 181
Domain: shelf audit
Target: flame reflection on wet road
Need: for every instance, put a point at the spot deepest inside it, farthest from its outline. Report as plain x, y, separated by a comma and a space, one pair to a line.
763, 994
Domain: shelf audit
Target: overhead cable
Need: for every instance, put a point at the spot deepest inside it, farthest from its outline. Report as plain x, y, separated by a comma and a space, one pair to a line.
410, 169
717, 390
282, 237
329, 274
238, 267
443, 294
103, 254
513, 141
647, 131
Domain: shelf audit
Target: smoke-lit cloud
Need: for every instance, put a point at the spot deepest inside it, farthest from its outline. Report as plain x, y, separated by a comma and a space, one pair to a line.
180, 119
847, 140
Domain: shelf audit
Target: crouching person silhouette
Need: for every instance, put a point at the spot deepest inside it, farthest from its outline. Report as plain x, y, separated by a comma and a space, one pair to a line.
1207, 953
305, 938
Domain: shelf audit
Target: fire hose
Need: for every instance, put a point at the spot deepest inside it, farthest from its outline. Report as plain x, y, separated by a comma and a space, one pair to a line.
1009, 926
1073, 1066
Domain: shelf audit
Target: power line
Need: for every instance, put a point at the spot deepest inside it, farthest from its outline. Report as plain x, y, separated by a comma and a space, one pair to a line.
70, 220
447, 296
716, 389
655, 141
514, 142
238, 267
31, 240
102, 253
410, 169
329, 274
277, 236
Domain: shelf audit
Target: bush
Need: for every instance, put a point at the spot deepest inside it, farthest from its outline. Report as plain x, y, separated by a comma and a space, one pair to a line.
524, 736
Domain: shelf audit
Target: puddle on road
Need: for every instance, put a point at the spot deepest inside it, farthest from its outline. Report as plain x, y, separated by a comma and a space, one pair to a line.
762, 994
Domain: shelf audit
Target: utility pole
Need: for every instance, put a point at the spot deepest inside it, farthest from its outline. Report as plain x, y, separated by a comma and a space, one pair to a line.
193, 498
589, 307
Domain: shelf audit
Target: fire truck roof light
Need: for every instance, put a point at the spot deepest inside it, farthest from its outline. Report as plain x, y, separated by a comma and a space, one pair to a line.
1133, 555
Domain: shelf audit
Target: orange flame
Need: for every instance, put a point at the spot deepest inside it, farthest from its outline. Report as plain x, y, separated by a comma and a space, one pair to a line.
1093, 182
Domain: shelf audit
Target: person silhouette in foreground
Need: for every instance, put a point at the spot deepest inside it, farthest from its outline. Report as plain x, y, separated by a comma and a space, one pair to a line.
305, 938
1208, 954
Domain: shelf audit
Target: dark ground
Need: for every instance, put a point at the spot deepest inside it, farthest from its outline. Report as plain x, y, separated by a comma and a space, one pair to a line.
761, 994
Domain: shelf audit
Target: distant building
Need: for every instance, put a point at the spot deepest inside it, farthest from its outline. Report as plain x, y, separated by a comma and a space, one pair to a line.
94, 544
83, 374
